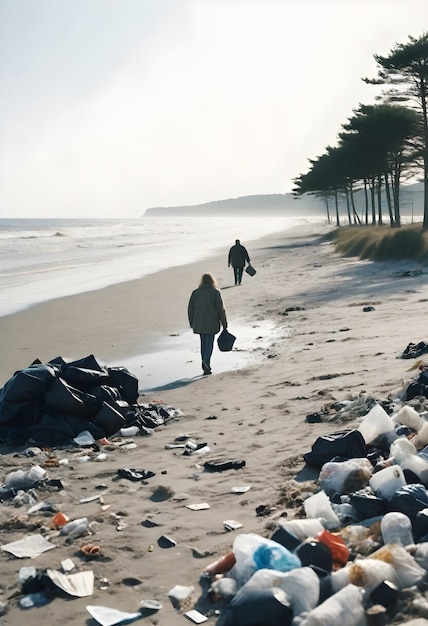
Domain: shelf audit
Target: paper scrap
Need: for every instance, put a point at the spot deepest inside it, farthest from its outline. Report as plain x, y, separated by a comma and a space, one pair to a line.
196, 617
198, 507
79, 585
109, 617
230, 524
32, 546
67, 565
240, 489
89, 499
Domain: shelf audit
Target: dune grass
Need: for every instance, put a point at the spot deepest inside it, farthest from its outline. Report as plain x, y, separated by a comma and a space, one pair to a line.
383, 243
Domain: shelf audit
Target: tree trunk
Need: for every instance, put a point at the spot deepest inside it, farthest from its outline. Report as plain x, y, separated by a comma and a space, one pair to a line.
372, 198
348, 206
379, 200
425, 126
388, 200
396, 192
366, 200
337, 208
327, 208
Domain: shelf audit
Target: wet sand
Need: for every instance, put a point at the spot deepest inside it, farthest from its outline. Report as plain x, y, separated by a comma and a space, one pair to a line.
325, 348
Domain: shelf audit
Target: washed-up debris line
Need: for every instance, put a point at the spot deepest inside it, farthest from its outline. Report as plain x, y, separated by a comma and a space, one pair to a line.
357, 552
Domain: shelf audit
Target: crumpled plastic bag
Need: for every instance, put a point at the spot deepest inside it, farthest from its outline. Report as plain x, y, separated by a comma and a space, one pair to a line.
345, 477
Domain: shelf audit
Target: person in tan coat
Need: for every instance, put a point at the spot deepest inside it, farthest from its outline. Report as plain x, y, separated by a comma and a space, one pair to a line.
206, 313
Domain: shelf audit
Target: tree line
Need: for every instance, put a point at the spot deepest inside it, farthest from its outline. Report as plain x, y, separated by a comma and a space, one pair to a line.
381, 145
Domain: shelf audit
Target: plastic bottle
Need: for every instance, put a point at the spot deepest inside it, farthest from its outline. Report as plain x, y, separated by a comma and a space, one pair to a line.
408, 416
401, 448
386, 482
377, 422
75, 528
303, 528
344, 608
319, 506
224, 587
253, 552
222, 565
292, 583
35, 474
396, 527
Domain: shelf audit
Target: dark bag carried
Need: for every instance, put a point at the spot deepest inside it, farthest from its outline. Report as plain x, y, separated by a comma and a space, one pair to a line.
225, 341
250, 270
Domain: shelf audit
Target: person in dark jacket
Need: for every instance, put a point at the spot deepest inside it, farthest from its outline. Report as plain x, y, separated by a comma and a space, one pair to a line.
206, 312
238, 255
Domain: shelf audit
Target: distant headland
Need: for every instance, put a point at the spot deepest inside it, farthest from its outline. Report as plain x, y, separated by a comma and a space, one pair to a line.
268, 204
411, 198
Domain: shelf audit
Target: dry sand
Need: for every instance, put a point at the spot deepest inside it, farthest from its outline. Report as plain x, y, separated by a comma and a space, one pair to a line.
327, 349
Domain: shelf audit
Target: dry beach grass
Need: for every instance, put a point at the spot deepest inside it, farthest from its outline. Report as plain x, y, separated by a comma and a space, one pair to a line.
326, 348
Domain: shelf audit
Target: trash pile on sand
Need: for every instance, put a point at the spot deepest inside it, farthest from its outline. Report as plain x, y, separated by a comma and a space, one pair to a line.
52, 403
359, 553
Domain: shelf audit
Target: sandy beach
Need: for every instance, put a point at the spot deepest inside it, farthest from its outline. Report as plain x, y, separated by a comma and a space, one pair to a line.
326, 348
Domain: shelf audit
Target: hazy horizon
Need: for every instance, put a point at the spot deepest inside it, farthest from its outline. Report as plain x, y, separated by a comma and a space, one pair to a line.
110, 108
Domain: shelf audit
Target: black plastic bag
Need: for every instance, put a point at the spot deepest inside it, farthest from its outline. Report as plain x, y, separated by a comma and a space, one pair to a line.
225, 341
346, 444
125, 382
64, 398
409, 499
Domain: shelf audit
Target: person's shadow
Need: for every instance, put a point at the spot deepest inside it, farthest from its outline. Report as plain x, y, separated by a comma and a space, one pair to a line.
175, 384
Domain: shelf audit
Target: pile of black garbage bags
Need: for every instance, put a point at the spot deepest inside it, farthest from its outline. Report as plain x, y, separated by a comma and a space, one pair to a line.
51, 403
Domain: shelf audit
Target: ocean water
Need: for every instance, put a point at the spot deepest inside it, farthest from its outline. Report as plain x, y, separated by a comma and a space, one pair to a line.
42, 259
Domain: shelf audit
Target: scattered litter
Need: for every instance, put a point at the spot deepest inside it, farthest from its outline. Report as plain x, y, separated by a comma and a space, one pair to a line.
191, 447
32, 546
151, 605
39, 598
75, 528
198, 507
89, 499
79, 585
135, 474
109, 617
219, 465
195, 616
166, 542
240, 489
90, 550
67, 565
129, 446
59, 520
180, 594
130, 431
84, 439
230, 524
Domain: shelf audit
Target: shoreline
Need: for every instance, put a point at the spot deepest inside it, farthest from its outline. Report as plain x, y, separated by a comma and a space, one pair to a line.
136, 316
328, 349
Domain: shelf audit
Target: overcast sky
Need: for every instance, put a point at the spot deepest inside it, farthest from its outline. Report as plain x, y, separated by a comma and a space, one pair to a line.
109, 107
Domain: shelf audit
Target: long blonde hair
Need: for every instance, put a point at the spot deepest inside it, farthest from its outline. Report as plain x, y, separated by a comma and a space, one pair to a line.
208, 279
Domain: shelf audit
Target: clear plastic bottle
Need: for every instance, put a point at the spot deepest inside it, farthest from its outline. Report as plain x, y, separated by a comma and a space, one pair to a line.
75, 528
396, 527
344, 608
